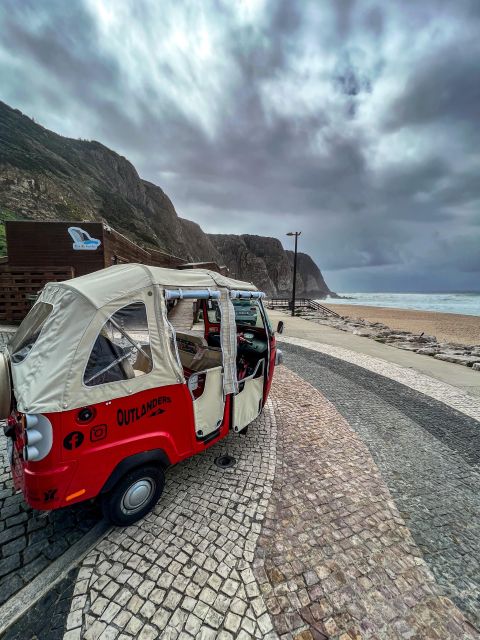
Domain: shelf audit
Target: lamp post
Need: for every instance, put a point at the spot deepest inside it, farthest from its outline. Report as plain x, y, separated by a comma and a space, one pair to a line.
296, 234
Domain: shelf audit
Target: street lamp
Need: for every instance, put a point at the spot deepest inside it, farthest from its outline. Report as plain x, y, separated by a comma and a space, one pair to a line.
296, 234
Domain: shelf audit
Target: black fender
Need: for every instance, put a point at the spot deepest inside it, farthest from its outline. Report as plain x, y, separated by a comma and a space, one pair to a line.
154, 456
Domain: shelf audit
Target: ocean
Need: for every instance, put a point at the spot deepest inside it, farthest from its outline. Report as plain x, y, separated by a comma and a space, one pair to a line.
464, 303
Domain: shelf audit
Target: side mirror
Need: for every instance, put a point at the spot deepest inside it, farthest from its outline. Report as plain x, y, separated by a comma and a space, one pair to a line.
280, 326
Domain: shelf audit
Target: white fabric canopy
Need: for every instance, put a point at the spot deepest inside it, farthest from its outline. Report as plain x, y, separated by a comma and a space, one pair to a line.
117, 281
50, 378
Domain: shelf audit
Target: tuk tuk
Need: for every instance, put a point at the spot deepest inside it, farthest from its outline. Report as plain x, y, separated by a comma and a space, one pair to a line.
102, 392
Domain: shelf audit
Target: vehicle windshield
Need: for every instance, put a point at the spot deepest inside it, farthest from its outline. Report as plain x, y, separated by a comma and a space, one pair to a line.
29, 331
247, 312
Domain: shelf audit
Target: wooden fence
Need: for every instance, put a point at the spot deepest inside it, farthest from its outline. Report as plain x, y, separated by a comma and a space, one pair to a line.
19, 287
300, 303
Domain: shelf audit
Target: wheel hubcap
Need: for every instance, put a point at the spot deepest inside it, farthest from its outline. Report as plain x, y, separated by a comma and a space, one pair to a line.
137, 495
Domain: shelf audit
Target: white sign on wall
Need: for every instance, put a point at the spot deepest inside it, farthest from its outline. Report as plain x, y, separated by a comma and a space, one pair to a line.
82, 241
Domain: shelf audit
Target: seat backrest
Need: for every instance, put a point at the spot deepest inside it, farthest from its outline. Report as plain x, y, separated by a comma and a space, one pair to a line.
142, 363
194, 352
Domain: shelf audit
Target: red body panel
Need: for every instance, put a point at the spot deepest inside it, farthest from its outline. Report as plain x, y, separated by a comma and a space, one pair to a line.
84, 454
268, 382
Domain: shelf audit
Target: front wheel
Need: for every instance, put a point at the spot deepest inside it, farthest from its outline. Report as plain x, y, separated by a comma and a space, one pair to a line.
133, 496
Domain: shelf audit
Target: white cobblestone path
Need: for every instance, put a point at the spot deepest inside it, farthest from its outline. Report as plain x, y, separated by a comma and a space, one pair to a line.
441, 391
185, 571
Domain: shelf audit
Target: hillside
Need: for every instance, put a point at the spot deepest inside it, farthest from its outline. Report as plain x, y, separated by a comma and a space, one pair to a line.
44, 176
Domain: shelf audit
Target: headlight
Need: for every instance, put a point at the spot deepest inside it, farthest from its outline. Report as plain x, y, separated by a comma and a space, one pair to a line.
31, 421
38, 437
32, 436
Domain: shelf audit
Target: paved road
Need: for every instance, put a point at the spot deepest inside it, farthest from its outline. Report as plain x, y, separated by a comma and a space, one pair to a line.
30, 540
300, 540
458, 376
429, 457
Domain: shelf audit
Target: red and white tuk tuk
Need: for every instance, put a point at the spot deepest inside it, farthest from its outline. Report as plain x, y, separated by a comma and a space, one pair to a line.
103, 393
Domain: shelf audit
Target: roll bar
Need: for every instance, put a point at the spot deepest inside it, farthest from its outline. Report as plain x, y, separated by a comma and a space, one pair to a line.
189, 294
206, 294
246, 294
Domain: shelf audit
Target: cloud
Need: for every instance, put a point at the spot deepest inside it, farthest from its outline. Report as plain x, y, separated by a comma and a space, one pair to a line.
355, 122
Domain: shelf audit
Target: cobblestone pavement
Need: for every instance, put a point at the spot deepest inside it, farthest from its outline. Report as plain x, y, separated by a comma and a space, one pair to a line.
185, 571
337, 555
334, 558
445, 393
428, 454
5, 337
30, 540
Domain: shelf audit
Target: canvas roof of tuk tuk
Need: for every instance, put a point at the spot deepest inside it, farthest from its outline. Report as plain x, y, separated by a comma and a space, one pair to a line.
50, 378
102, 287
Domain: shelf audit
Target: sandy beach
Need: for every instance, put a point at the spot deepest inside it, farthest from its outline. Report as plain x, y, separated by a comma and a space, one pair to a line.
446, 327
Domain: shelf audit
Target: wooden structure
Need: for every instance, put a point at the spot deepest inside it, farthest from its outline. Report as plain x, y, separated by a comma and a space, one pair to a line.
41, 252
47, 244
300, 303
19, 287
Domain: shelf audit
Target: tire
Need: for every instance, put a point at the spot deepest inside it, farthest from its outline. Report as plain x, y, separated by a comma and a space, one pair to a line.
134, 495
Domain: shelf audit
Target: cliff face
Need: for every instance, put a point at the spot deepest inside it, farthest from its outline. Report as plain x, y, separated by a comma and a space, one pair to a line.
44, 176
312, 283
201, 246
264, 261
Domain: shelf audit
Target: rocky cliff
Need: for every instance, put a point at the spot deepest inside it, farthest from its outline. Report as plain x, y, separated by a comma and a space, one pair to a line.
312, 284
44, 176
265, 262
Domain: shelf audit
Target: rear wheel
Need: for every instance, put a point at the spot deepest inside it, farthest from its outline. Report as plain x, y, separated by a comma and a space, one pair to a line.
134, 495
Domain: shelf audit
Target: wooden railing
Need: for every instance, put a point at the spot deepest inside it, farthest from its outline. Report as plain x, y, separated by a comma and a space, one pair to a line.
19, 287
300, 303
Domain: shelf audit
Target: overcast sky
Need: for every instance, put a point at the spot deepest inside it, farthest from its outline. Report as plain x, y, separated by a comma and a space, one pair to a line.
357, 123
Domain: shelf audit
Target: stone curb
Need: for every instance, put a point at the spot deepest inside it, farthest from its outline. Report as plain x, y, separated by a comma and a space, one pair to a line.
24, 599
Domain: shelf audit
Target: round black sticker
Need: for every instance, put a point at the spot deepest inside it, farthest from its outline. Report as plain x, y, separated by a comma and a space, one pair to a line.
73, 440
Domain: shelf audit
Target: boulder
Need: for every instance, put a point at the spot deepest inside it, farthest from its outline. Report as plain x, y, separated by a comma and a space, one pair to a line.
467, 361
364, 333
428, 351
407, 346
398, 335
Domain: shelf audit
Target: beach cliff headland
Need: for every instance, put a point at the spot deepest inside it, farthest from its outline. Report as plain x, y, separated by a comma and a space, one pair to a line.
48, 177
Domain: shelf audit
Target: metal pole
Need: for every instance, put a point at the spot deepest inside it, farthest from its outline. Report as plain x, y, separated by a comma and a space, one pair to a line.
296, 234
294, 273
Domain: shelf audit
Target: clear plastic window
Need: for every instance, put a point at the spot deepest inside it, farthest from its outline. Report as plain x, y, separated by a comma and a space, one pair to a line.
29, 331
213, 310
247, 312
122, 348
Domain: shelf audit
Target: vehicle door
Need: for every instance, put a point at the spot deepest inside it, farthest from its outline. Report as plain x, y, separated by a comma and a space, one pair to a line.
201, 363
248, 402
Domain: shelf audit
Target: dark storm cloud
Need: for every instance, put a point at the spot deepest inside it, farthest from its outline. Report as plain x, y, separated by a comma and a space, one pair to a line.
443, 87
355, 122
60, 40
